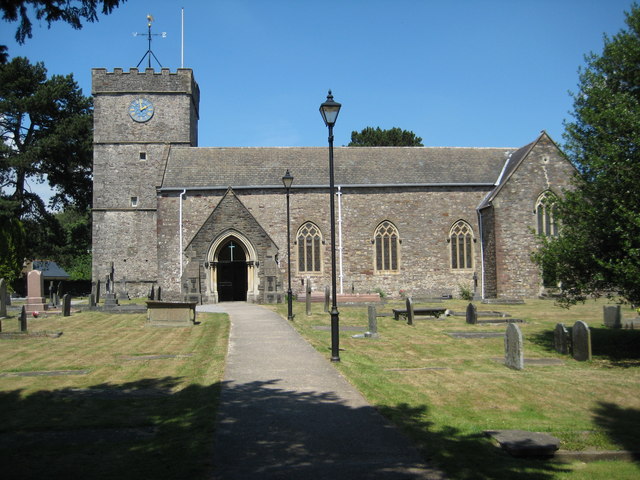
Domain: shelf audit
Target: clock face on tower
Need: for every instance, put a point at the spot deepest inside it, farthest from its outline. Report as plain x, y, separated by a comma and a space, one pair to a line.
141, 110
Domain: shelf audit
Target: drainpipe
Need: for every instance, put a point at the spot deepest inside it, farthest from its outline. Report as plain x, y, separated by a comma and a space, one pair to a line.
184, 190
481, 251
340, 237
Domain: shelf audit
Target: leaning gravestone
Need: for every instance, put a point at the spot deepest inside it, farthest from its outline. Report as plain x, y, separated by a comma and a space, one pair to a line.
373, 322
561, 339
35, 301
513, 349
472, 314
409, 303
23, 319
3, 297
612, 316
66, 305
581, 336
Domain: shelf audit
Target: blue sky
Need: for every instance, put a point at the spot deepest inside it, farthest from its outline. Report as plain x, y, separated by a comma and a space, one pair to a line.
457, 73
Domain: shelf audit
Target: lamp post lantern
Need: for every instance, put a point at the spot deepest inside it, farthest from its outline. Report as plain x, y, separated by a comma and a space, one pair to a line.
287, 181
329, 111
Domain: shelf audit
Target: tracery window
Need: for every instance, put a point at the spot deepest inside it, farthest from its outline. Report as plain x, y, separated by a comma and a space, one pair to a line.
461, 242
545, 213
309, 248
386, 240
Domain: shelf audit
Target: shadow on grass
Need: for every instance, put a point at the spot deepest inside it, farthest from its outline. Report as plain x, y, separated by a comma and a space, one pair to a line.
466, 456
620, 346
133, 430
144, 430
621, 425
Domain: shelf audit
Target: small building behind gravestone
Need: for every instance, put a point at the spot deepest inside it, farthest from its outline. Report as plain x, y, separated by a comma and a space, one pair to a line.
209, 224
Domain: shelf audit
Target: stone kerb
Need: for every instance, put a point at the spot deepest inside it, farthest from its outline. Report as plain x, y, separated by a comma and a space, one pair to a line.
35, 286
513, 349
581, 336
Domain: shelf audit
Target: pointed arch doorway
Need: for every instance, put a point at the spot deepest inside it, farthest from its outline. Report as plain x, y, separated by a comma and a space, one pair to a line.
231, 269
231, 272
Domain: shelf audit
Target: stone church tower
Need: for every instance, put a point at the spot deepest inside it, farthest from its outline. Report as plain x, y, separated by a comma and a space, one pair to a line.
138, 116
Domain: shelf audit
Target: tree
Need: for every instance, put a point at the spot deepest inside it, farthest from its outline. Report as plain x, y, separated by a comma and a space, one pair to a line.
597, 251
45, 135
375, 137
69, 11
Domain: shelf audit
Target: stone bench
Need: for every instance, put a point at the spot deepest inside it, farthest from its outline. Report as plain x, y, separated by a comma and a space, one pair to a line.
431, 312
171, 314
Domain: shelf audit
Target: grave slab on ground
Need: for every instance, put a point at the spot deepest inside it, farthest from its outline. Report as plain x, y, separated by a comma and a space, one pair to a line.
521, 443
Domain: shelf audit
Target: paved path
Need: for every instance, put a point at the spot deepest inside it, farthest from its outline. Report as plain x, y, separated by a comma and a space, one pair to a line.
286, 412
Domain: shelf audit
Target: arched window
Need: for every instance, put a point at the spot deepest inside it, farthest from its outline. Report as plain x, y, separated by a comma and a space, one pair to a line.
545, 209
461, 241
309, 248
386, 240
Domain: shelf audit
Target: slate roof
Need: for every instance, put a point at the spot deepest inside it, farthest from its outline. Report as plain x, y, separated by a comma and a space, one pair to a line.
50, 270
198, 167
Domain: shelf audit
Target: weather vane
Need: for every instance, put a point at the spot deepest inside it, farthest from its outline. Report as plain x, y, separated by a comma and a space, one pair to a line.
150, 53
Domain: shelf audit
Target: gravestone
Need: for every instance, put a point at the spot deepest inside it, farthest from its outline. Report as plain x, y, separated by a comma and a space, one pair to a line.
66, 305
612, 316
308, 297
23, 319
409, 303
52, 298
472, 314
35, 301
97, 292
152, 293
562, 339
327, 298
373, 322
110, 299
581, 336
122, 291
92, 300
3, 297
159, 294
513, 349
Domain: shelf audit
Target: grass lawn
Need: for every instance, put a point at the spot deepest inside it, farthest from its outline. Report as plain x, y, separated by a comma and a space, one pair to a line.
444, 391
126, 401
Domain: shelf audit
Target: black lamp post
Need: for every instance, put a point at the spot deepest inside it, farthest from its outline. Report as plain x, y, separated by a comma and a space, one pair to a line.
287, 181
329, 111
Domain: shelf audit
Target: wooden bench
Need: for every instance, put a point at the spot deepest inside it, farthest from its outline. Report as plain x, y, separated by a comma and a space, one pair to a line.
431, 312
171, 314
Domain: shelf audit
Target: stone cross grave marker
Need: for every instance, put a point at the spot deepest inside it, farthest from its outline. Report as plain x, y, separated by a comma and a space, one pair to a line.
472, 314
66, 305
35, 287
581, 336
562, 339
3, 297
23, 319
612, 316
409, 303
513, 349
308, 297
373, 321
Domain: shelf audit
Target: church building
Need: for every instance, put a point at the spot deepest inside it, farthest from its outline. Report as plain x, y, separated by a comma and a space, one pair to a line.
210, 223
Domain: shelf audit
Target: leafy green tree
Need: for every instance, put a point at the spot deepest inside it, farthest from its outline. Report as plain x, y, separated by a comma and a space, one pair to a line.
597, 251
45, 136
12, 245
69, 11
376, 137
